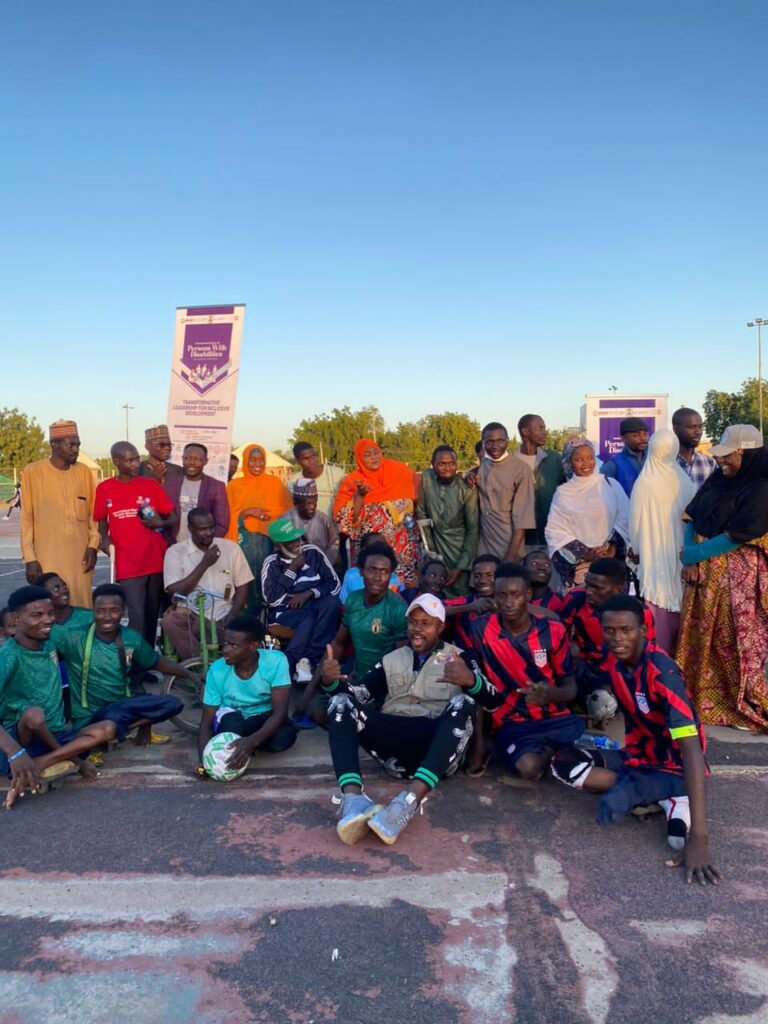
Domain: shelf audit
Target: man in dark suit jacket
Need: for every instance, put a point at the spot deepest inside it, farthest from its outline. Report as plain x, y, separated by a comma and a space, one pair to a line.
195, 489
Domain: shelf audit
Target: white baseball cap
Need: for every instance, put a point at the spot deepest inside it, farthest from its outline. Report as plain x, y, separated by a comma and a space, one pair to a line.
430, 604
739, 435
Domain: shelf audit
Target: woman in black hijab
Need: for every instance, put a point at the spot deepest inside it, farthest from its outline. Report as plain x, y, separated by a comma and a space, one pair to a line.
723, 643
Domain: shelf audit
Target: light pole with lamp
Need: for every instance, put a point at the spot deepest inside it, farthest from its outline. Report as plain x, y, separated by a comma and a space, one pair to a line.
127, 410
758, 323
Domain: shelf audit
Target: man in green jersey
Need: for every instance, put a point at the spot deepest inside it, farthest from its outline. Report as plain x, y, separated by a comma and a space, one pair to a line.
36, 739
99, 658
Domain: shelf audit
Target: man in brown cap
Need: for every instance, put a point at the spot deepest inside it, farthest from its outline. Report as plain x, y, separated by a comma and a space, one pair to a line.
158, 443
58, 533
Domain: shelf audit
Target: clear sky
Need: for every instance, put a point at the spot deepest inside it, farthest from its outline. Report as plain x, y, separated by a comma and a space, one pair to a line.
484, 206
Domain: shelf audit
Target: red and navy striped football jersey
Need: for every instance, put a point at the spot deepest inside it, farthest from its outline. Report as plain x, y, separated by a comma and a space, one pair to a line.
549, 599
461, 623
658, 710
512, 663
586, 630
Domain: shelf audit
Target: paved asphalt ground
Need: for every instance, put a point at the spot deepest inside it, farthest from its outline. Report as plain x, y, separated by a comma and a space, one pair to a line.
151, 897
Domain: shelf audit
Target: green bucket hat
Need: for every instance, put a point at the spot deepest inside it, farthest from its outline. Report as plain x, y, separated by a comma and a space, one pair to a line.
283, 531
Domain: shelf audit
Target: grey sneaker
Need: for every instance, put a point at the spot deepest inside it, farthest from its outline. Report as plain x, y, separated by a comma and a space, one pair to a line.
354, 811
390, 822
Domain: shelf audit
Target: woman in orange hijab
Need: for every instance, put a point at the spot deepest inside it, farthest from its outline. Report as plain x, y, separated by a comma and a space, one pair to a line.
378, 497
256, 499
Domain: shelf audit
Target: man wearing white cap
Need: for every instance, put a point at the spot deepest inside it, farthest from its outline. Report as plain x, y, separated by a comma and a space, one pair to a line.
429, 689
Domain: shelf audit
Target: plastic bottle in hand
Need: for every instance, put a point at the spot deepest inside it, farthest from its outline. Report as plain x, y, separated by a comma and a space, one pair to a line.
590, 741
146, 510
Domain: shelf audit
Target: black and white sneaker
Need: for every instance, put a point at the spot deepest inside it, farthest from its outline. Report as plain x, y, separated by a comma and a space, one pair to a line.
678, 812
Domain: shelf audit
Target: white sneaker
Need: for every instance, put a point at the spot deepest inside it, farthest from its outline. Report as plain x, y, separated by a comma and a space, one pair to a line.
303, 671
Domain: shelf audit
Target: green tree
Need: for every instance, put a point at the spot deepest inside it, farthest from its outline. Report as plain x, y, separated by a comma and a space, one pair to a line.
414, 442
721, 408
336, 433
21, 440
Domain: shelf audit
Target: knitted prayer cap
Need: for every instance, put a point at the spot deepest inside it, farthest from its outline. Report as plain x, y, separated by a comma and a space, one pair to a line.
303, 488
157, 433
62, 428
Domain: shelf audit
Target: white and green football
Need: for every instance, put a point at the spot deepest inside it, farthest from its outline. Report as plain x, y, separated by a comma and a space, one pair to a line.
216, 754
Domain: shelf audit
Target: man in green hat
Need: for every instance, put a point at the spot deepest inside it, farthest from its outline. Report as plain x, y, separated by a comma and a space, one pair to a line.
301, 591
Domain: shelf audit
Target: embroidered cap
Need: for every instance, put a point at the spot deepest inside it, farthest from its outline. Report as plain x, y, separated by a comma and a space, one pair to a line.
739, 435
158, 433
62, 428
430, 604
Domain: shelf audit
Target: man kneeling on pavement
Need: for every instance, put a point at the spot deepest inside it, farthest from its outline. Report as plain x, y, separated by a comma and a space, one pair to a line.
429, 689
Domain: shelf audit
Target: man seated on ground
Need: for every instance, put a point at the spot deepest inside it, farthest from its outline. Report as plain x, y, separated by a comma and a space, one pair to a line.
433, 577
353, 577
196, 489
462, 611
528, 660
198, 566
422, 730
319, 528
65, 617
539, 568
36, 741
99, 658
663, 760
301, 590
581, 615
246, 692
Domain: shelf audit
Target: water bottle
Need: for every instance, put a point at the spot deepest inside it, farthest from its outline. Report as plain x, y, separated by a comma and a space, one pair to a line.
146, 511
589, 741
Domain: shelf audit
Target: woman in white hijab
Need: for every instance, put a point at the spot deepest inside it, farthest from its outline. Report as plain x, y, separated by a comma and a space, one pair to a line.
588, 518
659, 498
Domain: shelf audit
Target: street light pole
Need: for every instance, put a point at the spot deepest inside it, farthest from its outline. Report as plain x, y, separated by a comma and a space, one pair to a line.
758, 323
127, 409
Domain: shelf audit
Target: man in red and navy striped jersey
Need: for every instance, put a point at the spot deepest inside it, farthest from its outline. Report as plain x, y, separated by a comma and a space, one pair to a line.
581, 615
663, 760
527, 659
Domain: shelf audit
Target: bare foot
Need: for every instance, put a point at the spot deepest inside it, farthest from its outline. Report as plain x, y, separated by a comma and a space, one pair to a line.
143, 736
88, 771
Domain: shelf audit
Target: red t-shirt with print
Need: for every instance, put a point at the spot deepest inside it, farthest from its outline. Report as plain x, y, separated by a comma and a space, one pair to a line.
139, 551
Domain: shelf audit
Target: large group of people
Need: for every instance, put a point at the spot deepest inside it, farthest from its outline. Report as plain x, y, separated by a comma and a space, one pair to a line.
436, 620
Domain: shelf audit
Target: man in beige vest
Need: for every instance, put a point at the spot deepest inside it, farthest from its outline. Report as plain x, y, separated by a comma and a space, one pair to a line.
429, 689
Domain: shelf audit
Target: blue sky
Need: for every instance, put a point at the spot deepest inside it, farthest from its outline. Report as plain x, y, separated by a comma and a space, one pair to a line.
490, 207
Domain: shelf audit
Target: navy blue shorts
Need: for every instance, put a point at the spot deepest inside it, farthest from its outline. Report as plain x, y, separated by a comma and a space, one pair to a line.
124, 713
35, 748
635, 787
517, 738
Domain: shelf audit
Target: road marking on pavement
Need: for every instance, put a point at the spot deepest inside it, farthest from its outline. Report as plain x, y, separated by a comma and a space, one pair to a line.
675, 932
587, 949
107, 898
750, 977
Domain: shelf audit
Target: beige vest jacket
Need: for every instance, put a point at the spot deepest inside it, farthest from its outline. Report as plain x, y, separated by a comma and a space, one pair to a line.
413, 694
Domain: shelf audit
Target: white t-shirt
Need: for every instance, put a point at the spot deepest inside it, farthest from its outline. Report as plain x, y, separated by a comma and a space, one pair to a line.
221, 579
190, 490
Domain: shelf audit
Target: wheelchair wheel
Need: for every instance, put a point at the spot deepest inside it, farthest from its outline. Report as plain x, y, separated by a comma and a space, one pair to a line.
191, 696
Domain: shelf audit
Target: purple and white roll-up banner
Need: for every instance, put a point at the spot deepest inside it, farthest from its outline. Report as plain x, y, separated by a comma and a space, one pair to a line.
601, 418
204, 375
